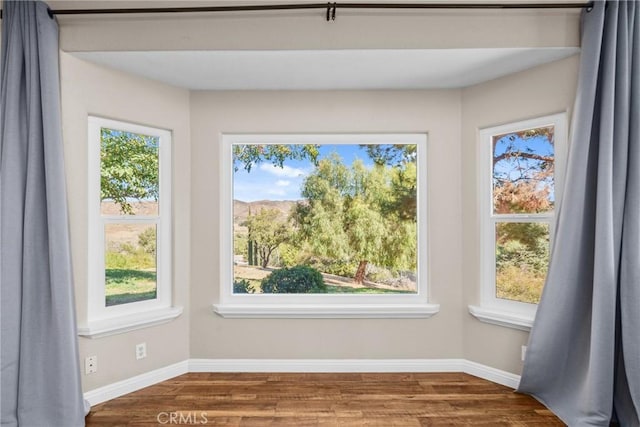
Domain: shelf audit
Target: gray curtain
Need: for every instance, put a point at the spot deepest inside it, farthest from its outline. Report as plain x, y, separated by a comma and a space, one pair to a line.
583, 359
39, 355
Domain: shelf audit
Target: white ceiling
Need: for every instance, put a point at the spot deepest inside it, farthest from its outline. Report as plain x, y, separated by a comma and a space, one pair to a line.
327, 69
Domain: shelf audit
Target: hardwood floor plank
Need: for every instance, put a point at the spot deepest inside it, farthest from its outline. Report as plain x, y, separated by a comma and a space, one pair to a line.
351, 399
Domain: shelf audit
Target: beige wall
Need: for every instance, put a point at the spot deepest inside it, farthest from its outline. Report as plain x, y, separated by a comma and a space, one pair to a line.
91, 90
537, 92
434, 112
389, 29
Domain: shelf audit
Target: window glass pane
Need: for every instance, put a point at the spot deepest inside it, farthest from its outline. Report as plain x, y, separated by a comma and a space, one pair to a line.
328, 218
128, 173
522, 257
523, 167
130, 263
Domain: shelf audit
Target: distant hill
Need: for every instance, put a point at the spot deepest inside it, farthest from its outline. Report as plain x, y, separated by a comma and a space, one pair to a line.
241, 209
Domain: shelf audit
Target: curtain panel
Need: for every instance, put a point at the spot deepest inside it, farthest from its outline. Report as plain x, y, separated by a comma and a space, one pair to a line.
583, 358
39, 355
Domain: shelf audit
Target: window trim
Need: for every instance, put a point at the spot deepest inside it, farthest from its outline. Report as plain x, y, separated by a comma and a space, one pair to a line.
514, 314
125, 317
319, 306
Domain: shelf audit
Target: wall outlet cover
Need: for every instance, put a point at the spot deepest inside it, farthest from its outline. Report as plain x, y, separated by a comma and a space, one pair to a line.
141, 351
91, 365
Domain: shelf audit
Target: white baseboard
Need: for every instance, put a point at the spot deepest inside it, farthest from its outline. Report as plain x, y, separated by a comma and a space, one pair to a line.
491, 374
138, 382
325, 365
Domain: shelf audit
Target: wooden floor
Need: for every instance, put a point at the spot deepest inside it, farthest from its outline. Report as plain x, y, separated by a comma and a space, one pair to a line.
385, 400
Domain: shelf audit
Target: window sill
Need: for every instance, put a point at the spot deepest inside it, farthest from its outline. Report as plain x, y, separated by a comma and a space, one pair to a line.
332, 311
502, 318
127, 323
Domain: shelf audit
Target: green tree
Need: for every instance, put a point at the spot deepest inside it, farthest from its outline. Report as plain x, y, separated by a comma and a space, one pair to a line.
268, 232
128, 167
350, 213
403, 157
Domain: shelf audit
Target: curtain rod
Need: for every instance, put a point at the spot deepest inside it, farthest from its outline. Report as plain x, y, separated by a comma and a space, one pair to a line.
330, 8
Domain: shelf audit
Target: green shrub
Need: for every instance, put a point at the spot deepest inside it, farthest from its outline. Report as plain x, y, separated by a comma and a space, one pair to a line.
340, 267
116, 260
295, 280
128, 257
337, 267
519, 283
147, 240
242, 286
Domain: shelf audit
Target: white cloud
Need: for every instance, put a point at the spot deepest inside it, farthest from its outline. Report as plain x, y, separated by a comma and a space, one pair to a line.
284, 171
283, 183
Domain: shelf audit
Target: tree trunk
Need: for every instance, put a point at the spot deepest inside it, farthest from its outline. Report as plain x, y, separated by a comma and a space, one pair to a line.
265, 256
360, 272
255, 253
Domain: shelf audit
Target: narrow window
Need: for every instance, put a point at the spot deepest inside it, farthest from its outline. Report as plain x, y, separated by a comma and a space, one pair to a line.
521, 192
130, 228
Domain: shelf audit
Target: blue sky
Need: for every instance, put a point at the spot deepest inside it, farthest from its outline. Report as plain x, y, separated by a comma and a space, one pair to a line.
268, 182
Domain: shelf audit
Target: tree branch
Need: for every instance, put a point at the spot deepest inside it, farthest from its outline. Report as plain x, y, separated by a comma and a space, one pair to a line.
530, 156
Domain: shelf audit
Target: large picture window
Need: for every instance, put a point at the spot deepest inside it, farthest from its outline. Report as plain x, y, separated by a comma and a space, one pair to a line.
323, 219
129, 219
521, 167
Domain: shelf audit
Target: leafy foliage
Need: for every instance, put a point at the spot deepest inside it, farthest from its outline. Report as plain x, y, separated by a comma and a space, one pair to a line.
147, 240
339, 267
242, 286
300, 279
392, 154
246, 156
523, 167
354, 214
128, 168
129, 257
240, 244
268, 231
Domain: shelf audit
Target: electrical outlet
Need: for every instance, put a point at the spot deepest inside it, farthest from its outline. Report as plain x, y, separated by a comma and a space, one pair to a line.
523, 352
141, 350
91, 365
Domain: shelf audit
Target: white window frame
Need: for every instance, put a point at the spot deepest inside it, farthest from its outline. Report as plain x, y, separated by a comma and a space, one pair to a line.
514, 314
319, 306
102, 320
